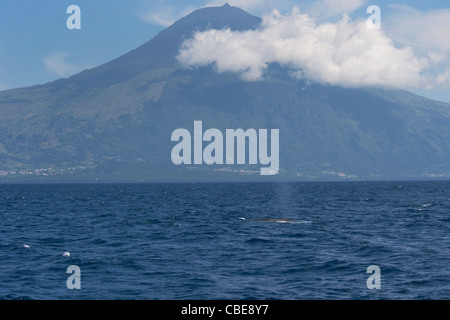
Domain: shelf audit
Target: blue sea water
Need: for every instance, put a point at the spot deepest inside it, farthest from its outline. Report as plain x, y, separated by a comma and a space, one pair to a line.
191, 241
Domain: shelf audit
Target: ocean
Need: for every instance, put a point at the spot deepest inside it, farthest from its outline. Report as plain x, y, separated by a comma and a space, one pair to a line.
225, 241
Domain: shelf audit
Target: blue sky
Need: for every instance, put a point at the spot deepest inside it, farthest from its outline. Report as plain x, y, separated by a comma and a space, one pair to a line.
36, 46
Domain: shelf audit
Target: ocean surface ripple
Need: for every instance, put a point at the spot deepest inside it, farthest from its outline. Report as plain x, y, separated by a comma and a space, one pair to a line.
289, 241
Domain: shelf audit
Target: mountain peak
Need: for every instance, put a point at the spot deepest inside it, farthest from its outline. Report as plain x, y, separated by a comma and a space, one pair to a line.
225, 16
169, 40
161, 51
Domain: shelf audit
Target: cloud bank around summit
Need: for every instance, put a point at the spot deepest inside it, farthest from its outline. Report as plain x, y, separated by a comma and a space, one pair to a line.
345, 53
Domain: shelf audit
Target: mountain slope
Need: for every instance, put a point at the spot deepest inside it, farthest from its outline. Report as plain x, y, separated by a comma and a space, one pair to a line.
114, 122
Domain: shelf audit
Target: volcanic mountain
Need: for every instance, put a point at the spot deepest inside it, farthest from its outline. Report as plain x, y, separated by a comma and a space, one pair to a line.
114, 122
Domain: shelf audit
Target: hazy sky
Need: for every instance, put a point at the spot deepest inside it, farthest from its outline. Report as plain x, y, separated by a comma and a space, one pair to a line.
36, 46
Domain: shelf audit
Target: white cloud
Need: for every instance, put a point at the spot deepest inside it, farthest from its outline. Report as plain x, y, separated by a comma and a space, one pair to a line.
334, 8
163, 14
57, 64
428, 32
413, 50
346, 53
158, 18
